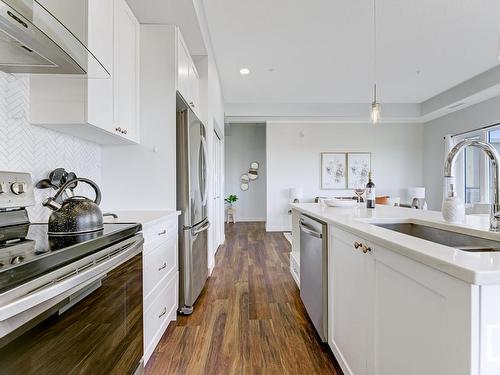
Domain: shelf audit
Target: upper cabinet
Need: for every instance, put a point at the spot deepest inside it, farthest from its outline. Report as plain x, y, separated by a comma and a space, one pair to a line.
188, 80
102, 110
126, 72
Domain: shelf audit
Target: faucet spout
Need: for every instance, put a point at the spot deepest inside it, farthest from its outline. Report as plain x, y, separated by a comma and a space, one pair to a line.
494, 157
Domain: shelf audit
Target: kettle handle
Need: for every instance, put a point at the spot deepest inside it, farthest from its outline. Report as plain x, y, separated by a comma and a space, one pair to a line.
98, 195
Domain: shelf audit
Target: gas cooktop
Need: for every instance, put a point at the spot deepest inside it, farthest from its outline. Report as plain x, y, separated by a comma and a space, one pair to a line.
28, 251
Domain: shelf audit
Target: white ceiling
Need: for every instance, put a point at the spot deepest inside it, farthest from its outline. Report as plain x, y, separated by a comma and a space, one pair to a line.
322, 51
172, 12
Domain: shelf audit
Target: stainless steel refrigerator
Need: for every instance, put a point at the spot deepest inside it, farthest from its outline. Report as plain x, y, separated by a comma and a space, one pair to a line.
192, 199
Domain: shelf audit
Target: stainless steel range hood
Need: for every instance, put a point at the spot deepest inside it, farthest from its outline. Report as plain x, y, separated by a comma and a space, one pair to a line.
33, 40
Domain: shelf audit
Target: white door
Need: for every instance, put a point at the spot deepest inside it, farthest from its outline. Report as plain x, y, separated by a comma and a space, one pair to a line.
218, 202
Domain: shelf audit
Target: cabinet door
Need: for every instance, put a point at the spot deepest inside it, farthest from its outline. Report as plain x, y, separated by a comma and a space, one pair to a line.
348, 305
183, 68
194, 88
126, 71
421, 319
100, 91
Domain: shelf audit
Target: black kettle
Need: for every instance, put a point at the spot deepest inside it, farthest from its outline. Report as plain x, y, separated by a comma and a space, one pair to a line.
76, 214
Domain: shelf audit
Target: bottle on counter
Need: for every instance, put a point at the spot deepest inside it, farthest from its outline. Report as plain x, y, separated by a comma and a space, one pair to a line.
453, 209
370, 192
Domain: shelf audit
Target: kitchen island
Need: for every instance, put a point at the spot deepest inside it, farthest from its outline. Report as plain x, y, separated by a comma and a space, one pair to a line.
399, 304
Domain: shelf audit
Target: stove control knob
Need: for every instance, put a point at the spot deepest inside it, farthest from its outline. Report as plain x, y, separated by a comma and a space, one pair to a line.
18, 188
2, 188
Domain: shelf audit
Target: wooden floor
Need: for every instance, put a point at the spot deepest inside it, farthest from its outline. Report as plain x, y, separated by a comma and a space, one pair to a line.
249, 319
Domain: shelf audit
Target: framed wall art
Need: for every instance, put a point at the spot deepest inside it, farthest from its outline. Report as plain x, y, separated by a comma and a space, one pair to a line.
333, 170
359, 165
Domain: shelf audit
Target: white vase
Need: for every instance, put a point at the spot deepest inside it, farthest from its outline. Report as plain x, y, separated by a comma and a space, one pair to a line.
453, 210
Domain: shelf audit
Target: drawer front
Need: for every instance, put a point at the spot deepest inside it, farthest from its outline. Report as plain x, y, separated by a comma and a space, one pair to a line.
161, 229
160, 313
160, 262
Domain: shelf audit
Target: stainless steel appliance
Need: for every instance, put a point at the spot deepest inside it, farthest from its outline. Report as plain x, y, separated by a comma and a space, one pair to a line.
314, 272
68, 303
33, 40
192, 199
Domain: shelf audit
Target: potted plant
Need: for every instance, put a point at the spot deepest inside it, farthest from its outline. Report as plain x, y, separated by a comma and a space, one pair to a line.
230, 200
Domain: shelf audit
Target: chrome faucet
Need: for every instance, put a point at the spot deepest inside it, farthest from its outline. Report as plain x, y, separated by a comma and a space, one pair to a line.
493, 155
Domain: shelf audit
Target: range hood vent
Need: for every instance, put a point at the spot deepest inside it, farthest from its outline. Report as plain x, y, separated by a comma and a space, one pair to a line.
34, 41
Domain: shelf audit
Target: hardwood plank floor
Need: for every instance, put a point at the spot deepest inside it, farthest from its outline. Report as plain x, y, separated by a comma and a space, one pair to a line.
249, 319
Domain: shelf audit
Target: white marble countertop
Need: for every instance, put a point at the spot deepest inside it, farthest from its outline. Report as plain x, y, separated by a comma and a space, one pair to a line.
474, 268
143, 217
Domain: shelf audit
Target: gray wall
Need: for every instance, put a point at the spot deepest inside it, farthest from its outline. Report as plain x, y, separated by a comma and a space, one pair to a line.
470, 118
245, 143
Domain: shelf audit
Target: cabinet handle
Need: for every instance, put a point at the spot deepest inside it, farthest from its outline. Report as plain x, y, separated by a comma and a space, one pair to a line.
125, 131
357, 245
366, 249
163, 312
118, 130
162, 267
191, 104
162, 233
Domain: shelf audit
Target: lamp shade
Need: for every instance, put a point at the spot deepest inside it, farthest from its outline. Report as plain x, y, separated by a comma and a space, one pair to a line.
416, 192
296, 193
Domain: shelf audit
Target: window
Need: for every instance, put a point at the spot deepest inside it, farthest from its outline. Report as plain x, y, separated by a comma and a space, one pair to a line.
472, 162
475, 181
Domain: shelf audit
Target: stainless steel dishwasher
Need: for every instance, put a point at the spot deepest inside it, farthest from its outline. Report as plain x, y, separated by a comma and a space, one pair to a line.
314, 272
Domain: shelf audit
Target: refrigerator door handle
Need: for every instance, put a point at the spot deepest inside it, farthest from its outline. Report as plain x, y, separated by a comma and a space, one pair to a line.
202, 229
205, 171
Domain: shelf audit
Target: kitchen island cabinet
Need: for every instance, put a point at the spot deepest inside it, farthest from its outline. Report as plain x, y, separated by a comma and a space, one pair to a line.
398, 304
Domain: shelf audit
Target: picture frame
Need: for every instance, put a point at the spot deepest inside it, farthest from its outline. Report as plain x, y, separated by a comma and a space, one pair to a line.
359, 165
333, 170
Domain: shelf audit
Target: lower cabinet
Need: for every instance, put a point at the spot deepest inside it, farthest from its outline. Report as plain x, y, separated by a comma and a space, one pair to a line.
390, 315
160, 281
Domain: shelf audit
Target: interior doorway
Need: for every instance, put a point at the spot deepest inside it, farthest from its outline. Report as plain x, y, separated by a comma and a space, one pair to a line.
245, 170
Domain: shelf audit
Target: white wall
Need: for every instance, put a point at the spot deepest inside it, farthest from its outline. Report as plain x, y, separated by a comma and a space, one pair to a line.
294, 160
35, 150
473, 117
143, 177
244, 144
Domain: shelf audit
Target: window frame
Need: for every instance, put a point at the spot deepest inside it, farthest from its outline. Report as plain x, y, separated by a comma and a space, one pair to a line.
484, 166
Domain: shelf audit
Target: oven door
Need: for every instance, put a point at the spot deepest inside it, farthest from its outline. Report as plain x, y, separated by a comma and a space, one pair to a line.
97, 329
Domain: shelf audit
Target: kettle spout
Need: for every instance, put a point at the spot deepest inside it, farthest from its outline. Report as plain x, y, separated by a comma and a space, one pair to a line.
52, 204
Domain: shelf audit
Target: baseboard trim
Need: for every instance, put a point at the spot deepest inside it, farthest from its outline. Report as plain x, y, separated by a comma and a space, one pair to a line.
249, 219
278, 229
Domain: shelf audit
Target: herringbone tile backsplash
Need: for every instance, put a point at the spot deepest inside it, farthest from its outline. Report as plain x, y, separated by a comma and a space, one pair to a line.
28, 148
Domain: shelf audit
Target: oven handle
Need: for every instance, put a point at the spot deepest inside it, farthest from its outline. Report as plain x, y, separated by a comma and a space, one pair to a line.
70, 283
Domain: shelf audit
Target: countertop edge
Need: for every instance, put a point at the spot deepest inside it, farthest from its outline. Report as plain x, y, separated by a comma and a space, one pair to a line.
467, 275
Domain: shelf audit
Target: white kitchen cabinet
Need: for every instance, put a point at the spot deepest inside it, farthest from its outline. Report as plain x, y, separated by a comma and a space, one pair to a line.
160, 280
126, 72
183, 68
390, 315
188, 80
348, 303
89, 107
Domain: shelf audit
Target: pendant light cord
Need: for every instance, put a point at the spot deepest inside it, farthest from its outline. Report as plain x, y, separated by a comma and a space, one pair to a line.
375, 49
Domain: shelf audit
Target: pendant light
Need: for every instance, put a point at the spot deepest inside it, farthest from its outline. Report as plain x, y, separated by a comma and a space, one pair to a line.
376, 108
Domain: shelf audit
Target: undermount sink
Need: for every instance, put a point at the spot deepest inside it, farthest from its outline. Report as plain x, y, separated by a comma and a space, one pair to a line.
459, 241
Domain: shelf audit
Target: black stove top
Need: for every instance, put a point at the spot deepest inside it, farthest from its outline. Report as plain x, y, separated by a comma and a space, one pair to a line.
27, 251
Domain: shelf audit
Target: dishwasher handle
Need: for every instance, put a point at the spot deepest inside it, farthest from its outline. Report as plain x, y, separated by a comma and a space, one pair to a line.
306, 229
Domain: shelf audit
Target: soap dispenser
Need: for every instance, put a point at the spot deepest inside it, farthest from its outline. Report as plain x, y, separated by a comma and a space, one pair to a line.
453, 207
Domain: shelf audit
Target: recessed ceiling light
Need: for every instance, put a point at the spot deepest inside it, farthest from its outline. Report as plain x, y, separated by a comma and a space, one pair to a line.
244, 71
